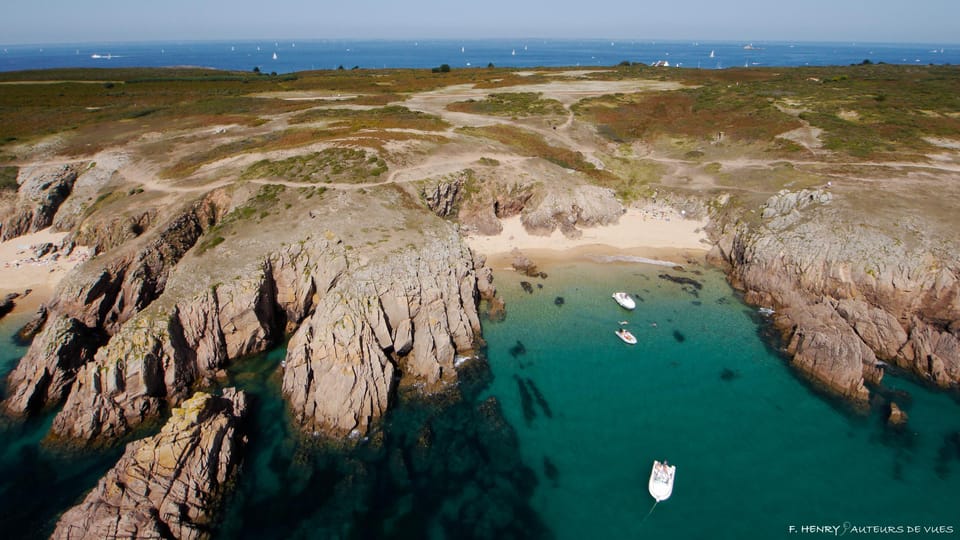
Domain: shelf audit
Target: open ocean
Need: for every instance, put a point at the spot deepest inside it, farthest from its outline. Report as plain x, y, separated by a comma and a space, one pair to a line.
557, 430
329, 54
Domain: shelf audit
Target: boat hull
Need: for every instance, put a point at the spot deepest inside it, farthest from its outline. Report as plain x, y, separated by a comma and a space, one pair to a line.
661, 481
624, 300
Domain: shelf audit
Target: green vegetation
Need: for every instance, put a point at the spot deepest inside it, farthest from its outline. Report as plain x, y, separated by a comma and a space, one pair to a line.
392, 117
8, 178
531, 144
329, 165
867, 111
511, 104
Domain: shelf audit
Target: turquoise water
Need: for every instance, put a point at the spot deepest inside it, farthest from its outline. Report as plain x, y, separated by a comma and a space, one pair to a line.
756, 449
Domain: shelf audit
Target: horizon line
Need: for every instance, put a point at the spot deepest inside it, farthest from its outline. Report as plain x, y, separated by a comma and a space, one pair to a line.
469, 39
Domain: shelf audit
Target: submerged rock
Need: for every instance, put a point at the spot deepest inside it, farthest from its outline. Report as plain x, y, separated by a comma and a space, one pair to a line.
169, 485
527, 287
518, 349
544, 406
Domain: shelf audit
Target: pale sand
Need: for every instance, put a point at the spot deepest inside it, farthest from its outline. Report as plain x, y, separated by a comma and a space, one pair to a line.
19, 272
656, 233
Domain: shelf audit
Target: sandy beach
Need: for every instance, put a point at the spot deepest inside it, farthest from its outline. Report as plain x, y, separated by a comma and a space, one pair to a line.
21, 270
656, 233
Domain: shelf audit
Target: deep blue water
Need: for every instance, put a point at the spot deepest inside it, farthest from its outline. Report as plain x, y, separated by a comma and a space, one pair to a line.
329, 54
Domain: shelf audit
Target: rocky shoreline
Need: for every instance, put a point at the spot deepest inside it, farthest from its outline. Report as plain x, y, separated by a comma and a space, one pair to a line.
846, 302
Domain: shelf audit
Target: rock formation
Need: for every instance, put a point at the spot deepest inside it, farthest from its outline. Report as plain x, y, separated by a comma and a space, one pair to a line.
846, 295
341, 363
42, 191
443, 196
96, 301
170, 485
896, 417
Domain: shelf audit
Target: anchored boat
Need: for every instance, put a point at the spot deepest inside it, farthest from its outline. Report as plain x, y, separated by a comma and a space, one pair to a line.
626, 336
661, 480
624, 300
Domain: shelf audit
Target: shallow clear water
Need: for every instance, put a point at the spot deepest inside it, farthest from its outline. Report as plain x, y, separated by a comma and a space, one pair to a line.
757, 450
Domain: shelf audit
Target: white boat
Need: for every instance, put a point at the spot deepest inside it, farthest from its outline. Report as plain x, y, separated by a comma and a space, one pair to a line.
765, 311
274, 56
624, 300
626, 336
661, 480
712, 55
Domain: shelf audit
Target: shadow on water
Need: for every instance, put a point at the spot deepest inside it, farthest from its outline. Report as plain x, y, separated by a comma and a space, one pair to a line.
38, 483
447, 467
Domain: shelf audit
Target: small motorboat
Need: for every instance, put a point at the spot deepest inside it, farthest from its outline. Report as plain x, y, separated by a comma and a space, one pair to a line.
626, 336
624, 300
661, 480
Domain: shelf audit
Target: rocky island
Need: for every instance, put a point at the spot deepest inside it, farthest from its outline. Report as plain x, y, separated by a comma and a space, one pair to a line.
203, 217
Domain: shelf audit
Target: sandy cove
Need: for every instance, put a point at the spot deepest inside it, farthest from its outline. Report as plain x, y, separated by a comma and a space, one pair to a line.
20, 270
657, 233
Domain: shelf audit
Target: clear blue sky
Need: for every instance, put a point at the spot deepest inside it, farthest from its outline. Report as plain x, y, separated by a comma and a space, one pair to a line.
56, 21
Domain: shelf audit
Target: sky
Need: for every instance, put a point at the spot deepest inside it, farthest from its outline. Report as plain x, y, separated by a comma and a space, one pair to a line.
74, 21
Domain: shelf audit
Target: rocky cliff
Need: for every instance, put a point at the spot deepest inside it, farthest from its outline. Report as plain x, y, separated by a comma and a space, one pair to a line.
170, 485
96, 300
848, 294
42, 191
139, 327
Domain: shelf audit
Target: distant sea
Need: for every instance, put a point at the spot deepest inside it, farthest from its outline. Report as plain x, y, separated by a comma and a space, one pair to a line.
289, 56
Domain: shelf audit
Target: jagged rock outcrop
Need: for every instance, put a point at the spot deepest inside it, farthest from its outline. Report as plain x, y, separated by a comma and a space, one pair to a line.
413, 313
136, 275
357, 327
566, 209
159, 356
848, 292
93, 304
171, 485
45, 374
42, 191
103, 233
482, 212
443, 196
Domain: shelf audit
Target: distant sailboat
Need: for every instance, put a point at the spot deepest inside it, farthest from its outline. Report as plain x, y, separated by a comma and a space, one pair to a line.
274, 56
463, 50
712, 54
513, 52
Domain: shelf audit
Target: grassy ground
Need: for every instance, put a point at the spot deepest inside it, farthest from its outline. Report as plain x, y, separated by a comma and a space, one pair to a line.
866, 111
342, 165
513, 104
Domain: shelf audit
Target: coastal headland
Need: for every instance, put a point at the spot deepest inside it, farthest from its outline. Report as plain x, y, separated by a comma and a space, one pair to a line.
172, 223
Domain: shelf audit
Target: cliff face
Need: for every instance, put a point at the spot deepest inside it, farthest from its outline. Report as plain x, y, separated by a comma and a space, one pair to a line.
170, 485
96, 301
42, 191
848, 295
413, 314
